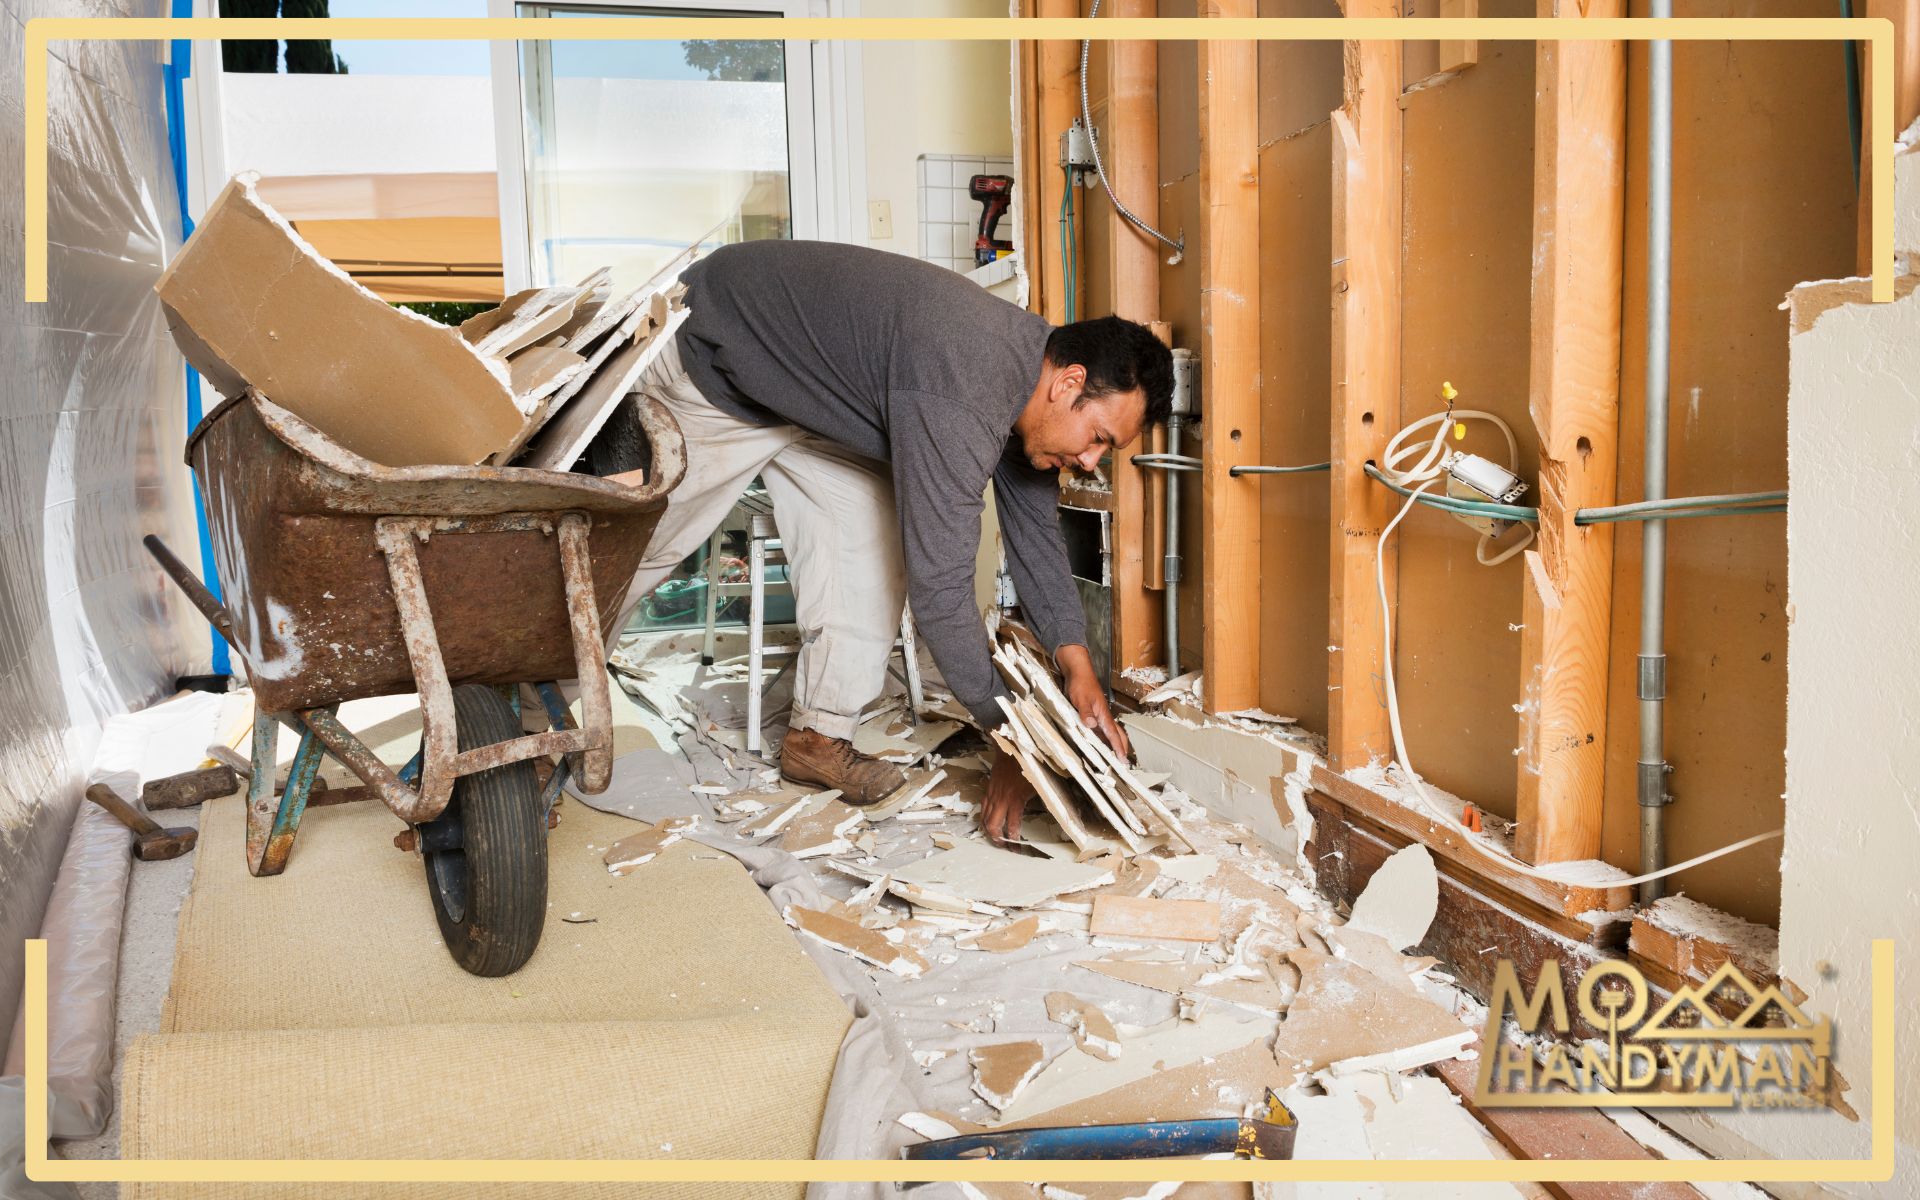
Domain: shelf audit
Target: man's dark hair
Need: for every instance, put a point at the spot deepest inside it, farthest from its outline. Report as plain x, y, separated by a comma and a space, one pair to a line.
1119, 355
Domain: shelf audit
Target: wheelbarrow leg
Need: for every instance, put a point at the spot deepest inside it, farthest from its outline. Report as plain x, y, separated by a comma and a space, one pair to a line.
271, 823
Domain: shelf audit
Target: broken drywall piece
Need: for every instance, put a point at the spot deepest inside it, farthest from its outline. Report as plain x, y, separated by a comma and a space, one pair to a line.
1190, 868
1180, 920
539, 371
821, 828
1331, 1126
770, 823
1002, 1072
1345, 1018
1373, 952
1417, 1117
919, 783
1070, 1078
1244, 900
1067, 757
927, 1126
1260, 716
1000, 939
1179, 685
1093, 1030
975, 871
905, 747
564, 438
1220, 1083
621, 336
1136, 877
593, 322
1400, 901
251, 303
631, 853
1259, 994
1052, 796
521, 320
847, 937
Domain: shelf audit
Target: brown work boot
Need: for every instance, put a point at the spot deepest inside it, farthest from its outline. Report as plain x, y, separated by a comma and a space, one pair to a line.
809, 756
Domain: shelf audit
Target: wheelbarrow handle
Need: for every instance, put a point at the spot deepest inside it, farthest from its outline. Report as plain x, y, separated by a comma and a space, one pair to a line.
204, 600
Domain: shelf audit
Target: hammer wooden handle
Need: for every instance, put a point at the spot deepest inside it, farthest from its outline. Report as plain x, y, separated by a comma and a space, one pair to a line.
127, 814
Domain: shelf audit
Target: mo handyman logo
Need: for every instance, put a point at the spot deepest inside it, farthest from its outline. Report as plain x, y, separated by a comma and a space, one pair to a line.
1723, 1043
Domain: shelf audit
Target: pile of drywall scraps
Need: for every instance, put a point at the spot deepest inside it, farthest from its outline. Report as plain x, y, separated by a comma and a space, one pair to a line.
1085, 784
532, 382
1059, 983
1270, 991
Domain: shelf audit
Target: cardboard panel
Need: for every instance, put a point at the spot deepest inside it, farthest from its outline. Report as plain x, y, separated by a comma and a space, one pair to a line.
1468, 283
1763, 198
1296, 226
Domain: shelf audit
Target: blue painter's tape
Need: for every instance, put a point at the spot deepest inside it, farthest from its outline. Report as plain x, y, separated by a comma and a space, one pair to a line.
173, 78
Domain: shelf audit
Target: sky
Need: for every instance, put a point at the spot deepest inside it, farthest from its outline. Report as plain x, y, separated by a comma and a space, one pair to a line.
644, 60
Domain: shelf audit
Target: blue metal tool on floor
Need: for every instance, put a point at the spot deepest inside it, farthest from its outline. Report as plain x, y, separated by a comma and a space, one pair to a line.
1269, 1135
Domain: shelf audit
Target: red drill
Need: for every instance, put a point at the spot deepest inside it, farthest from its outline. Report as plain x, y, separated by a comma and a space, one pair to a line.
995, 193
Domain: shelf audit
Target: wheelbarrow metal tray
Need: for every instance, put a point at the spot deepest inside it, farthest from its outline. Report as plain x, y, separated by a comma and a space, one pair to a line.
293, 518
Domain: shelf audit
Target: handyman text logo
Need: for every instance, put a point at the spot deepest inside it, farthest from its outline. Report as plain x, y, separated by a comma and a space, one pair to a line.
1712, 1046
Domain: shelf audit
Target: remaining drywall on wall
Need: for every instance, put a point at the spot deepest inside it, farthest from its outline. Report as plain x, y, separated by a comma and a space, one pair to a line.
1853, 750
1763, 199
1296, 248
1467, 284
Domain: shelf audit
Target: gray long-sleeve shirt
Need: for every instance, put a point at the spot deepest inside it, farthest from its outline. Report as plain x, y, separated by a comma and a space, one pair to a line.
912, 365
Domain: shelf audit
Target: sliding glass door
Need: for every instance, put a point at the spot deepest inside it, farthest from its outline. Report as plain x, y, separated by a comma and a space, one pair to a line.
639, 154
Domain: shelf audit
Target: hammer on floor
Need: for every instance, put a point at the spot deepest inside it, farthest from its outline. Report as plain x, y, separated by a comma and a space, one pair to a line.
151, 843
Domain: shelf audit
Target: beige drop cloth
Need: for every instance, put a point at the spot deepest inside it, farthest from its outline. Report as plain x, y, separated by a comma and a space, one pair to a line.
317, 1015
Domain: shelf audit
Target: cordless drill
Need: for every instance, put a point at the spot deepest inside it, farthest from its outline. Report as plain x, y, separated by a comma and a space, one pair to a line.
995, 193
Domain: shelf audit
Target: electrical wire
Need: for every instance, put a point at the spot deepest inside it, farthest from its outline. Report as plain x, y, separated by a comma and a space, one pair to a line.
1236, 472
1069, 268
1099, 167
1432, 465
1422, 476
1685, 506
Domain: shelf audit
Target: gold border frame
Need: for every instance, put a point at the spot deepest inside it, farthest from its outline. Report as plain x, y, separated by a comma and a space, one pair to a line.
1877, 1168
1876, 32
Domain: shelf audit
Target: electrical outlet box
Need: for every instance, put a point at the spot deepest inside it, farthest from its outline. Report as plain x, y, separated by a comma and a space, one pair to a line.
1186, 383
1076, 147
879, 221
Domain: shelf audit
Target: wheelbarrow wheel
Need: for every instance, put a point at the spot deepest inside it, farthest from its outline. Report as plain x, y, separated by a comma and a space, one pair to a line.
486, 855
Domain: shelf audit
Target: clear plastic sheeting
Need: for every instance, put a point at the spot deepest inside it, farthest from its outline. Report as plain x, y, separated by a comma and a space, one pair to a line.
14, 1184
92, 424
88, 906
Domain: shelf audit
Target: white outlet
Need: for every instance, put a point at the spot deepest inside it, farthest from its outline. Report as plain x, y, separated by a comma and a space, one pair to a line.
879, 221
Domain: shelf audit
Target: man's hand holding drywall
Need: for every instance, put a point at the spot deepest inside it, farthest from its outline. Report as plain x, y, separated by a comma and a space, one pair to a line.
1089, 698
1007, 794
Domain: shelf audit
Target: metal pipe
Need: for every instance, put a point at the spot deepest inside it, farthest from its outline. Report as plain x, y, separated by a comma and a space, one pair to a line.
1652, 784
1171, 593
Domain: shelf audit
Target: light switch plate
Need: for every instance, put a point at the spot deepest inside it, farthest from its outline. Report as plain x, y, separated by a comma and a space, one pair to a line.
879, 221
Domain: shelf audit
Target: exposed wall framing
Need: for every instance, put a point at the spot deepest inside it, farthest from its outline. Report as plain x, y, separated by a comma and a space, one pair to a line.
1229, 251
1130, 141
1478, 211
1365, 353
1579, 197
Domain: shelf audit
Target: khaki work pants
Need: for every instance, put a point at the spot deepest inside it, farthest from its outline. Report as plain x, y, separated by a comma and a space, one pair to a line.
837, 524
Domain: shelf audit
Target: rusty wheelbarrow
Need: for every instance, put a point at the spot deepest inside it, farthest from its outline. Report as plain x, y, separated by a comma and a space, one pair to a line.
345, 579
